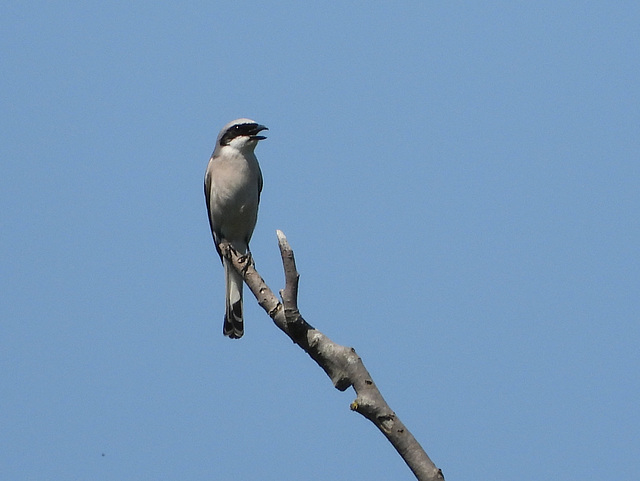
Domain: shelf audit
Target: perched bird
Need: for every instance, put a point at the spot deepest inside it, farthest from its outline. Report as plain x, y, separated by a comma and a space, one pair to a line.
232, 186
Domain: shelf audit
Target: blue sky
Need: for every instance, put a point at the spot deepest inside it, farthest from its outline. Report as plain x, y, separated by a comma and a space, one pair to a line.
460, 183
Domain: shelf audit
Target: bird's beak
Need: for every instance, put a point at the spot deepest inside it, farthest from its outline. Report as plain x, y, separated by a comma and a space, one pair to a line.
255, 130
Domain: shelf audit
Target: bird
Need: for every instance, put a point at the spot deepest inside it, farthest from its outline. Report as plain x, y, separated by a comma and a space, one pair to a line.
232, 187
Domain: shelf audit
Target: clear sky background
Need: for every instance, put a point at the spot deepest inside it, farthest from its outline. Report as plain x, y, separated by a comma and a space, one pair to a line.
460, 182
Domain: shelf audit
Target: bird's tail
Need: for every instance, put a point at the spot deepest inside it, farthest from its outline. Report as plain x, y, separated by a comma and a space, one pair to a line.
233, 322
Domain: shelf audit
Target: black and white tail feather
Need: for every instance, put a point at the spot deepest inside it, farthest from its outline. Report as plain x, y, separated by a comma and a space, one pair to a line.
233, 326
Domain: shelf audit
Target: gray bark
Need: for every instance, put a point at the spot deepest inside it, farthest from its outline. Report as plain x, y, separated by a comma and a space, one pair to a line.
343, 366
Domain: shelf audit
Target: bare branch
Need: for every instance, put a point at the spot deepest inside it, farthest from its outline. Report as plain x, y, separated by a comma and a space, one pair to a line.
343, 366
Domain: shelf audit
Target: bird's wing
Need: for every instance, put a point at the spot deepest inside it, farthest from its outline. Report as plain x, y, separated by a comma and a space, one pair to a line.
207, 196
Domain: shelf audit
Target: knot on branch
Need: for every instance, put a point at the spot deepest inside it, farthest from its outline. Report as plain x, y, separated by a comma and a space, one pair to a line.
386, 422
272, 312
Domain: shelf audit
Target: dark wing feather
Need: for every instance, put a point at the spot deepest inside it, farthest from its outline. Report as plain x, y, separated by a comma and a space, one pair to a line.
207, 197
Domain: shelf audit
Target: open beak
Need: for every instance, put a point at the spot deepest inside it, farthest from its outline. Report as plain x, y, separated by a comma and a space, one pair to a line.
258, 128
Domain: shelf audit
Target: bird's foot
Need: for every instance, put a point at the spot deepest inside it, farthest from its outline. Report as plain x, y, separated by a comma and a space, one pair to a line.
225, 247
247, 261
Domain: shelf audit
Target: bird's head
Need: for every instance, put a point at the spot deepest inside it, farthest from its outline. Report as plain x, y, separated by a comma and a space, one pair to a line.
241, 134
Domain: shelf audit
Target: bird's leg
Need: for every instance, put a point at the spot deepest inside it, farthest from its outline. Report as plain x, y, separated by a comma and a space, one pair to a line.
226, 247
245, 259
